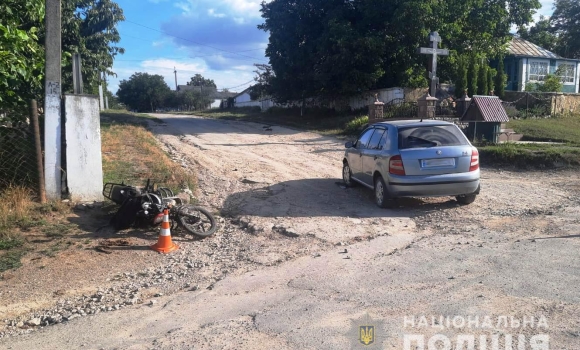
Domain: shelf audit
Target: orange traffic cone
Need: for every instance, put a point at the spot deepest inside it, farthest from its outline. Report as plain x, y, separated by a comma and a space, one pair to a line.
164, 244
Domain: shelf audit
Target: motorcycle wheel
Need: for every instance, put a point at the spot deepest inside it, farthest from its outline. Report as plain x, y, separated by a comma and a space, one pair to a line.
196, 220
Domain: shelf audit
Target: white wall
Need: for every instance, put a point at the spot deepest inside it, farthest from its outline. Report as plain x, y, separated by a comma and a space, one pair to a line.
356, 102
245, 97
84, 165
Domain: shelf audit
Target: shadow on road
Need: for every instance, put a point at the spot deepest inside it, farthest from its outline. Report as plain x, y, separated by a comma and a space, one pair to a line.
320, 197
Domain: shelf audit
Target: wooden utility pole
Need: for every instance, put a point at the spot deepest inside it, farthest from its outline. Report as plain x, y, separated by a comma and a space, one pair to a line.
52, 101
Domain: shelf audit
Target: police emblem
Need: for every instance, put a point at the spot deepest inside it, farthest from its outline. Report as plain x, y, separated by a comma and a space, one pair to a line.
366, 333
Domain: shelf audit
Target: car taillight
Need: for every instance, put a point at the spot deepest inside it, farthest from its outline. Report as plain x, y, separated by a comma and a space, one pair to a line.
396, 165
474, 165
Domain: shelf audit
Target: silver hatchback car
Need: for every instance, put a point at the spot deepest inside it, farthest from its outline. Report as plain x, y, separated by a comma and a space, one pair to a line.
412, 158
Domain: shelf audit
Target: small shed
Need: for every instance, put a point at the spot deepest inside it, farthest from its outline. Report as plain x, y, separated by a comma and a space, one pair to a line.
485, 114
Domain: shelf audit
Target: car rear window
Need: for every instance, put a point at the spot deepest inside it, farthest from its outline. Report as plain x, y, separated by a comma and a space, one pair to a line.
431, 136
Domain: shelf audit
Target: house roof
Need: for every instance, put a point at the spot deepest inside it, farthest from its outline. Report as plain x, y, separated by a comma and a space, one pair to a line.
485, 109
521, 47
244, 91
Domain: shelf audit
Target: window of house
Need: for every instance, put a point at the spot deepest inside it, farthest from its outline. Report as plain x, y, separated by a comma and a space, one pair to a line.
538, 71
566, 72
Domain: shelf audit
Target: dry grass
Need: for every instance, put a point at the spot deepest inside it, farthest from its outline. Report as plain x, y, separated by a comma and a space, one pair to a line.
132, 154
15, 206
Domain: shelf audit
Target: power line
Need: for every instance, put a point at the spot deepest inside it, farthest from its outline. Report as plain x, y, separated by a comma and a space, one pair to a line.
246, 83
195, 42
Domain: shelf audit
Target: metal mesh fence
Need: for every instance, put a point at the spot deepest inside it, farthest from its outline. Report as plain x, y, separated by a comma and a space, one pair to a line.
18, 162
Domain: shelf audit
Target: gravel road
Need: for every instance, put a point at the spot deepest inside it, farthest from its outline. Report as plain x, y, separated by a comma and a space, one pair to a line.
299, 257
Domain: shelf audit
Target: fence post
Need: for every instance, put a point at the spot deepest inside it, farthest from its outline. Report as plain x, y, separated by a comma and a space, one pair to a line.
40, 168
527, 94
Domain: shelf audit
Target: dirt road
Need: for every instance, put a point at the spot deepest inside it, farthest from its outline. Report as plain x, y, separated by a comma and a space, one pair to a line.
316, 256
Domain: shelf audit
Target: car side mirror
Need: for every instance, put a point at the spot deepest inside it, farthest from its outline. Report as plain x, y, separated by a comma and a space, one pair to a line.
349, 144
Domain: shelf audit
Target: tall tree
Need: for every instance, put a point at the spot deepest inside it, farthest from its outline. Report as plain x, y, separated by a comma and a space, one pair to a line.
88, 28
490, 76
541, 34
482, 88
500, 79
143, 92
461, 77
565, 23
320, 48
263, 79
472, 75
199, 80
21, 55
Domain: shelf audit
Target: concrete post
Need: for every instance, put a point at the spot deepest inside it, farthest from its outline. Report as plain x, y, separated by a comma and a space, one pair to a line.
52, 101
101, 100
426, 107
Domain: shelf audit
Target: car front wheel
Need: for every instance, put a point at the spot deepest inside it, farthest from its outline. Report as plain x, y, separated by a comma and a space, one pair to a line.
382, 198
347, 175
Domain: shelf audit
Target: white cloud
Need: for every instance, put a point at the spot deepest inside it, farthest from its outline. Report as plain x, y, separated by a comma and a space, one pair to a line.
212, 13
237, 8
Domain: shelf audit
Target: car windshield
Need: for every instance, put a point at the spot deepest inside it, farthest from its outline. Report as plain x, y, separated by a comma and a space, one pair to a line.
431, 136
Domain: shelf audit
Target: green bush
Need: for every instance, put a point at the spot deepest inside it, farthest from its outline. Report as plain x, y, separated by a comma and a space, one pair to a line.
354, 126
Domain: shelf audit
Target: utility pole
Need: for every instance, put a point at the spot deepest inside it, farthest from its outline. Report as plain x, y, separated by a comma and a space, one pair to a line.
101, 98
106, 89
175, 72
52, 101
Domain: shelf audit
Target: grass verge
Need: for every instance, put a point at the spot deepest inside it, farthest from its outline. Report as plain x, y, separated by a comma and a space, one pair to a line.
131, 154
530, 156
319, 120
561, 129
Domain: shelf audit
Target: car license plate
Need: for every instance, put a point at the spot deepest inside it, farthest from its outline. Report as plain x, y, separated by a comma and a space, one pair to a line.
440, 162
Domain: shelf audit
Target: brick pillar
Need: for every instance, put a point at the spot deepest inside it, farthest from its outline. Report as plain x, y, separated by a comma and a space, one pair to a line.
426, 107
376, 110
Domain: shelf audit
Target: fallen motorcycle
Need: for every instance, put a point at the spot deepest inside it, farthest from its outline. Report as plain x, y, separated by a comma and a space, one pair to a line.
143, 207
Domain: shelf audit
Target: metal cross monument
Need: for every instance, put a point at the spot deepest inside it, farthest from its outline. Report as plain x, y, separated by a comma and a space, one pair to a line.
434, 50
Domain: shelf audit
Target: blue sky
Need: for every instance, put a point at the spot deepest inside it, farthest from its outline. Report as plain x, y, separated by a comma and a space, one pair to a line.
215, 38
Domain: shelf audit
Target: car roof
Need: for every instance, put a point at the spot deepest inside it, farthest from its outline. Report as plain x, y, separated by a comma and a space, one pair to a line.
413, 123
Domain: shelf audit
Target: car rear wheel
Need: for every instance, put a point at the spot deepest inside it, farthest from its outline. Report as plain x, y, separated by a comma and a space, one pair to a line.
347, 175
467, 199
382, 197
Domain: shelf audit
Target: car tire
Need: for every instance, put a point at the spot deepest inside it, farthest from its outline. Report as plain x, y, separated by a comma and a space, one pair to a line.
382, 197
347, 175
466, 199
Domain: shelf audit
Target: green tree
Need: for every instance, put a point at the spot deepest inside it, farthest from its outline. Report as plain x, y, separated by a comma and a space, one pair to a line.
461, 77
472, 75
329, 48
143, 92
566, 24
500, 79
88, 28
541, 34
482, 88
263, 79
199, 80
490, 76
21, 56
